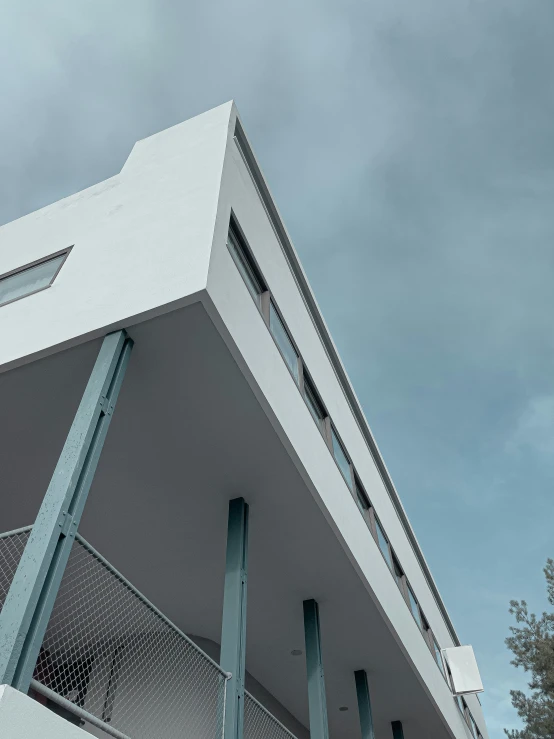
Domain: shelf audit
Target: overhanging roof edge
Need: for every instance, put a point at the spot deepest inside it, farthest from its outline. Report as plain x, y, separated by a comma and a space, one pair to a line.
336, 362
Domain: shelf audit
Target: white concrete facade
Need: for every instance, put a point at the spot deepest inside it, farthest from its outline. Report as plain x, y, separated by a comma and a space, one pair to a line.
23, 718
152, 240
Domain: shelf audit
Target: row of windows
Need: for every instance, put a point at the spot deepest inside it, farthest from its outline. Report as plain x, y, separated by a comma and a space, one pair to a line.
401, 580
470, 721
262, 297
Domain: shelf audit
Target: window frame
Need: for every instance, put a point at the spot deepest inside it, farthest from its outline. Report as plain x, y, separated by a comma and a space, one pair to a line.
411, 593
467, 715
436, 651
379, 527
299, 364
266, 299
362, 501
307, 387
235, 232
429, 638
332, 431
11, 273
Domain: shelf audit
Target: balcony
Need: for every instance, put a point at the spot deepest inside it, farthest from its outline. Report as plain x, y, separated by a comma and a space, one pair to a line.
111, 661
192, 431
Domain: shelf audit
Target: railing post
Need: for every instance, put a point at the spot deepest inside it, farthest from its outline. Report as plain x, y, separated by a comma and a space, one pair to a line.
317, 703
397, 730
233, 630
364, 705
28, 606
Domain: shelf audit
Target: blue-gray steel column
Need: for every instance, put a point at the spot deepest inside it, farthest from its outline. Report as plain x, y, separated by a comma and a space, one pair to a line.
364, 705
317, 703
233, 629
397, 731
31, 596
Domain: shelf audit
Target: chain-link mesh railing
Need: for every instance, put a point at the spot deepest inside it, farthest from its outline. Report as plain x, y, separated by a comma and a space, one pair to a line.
259, 723
12, 544
111, 657
121, 663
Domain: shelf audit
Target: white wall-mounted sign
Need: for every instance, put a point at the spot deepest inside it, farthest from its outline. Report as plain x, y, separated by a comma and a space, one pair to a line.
463, 670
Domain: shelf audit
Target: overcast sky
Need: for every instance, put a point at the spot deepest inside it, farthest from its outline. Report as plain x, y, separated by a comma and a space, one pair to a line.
409, 145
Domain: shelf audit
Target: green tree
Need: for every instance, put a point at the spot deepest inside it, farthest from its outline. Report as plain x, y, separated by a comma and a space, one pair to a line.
532, 643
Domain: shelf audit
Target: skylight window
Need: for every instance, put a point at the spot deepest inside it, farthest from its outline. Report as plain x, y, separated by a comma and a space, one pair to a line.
30, 279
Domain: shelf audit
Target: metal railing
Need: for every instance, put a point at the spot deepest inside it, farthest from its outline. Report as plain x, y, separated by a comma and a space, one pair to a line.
12, 544
113, 659
259, 723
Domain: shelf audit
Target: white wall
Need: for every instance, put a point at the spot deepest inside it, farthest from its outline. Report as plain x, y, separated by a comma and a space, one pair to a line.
22, 717
141, 242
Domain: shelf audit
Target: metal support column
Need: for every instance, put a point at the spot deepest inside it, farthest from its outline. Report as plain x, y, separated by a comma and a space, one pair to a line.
233, 629
319, 728
364, 705
397, 731
31, 596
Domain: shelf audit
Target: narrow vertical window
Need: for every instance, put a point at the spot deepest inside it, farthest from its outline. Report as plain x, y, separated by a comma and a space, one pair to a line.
246, 267
414, 607
283, 341
438, 656
465, 711
397, 572
29, 280
341, 458
312, 401
383, 543
361, 499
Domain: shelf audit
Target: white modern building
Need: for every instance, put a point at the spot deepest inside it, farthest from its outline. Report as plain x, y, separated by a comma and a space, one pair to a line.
231, 559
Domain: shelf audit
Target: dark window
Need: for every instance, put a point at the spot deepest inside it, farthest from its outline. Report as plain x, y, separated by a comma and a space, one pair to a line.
361, 498
30, 279
245, 266
397, 572
467, 715
313, 402
383, 543
341, 458
438, 656
414, 607
283, 340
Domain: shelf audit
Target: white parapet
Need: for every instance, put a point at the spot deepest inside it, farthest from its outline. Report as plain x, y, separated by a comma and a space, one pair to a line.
22, 717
